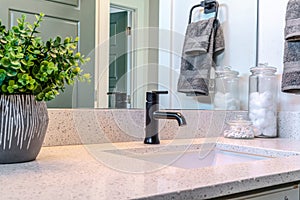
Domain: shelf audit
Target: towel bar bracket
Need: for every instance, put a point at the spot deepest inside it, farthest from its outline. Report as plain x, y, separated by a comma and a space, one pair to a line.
209, 6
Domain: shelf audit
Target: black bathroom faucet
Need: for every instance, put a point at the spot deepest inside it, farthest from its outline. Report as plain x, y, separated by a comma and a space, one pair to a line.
153, 115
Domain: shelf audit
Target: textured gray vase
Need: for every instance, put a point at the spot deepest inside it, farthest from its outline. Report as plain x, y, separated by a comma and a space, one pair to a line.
23, 125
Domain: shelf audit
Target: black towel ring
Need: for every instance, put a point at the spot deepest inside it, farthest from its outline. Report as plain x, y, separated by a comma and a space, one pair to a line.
210, 6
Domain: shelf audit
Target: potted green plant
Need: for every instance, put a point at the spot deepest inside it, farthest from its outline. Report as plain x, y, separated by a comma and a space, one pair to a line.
32, 71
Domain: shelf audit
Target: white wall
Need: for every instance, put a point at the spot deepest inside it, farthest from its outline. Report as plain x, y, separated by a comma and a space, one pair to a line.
238, 19
271, 45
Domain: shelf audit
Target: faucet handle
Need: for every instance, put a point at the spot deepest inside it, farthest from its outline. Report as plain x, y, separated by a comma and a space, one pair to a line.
153, 96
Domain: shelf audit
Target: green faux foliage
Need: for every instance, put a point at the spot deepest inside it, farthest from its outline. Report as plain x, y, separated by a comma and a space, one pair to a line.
29, 65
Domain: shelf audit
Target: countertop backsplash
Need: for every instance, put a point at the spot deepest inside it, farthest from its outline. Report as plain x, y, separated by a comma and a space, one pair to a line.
95, 126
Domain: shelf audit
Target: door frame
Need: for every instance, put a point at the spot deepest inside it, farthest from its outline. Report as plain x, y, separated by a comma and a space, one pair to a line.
102, 51
131, 56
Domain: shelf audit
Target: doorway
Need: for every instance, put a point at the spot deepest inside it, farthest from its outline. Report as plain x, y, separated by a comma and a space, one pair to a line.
120, 59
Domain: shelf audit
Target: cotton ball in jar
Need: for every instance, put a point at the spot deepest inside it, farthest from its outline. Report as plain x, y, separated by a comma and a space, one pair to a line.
259, 123
270, 116
266, 99
259, 113
252, 116
254, 96
254, 101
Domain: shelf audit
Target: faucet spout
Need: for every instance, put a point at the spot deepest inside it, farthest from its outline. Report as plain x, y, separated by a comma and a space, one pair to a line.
170, 115
153, 115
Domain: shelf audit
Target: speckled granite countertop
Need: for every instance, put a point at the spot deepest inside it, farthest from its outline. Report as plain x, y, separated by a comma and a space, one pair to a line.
94, 172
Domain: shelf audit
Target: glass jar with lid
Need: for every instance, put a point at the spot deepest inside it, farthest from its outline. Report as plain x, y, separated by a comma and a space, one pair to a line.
239, 128
263, 100
226, 95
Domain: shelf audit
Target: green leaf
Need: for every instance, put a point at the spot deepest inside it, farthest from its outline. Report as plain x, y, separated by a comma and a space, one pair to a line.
35, 70
31, 80
16, 29
30, 27
73, 46
37, 17
25, 76
76, 70
51, 67
30, 63
36, 24
10, 89
11, 72
19, 21
15, 63
37, 52
67, 40
2, 75
11, 82
20, 55
86, 77
48, 44
30, 87
22, 90
57, 41
23, 68
4, 88
53, 55
12, 54
5, 62
40, 96
23, 62
2, 72
77, 55
23, 17
44, 68
3, 41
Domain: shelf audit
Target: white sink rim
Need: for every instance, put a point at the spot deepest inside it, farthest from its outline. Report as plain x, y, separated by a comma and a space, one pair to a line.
192, 158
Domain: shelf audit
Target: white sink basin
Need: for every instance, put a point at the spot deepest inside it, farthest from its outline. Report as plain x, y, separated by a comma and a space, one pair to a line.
192, 158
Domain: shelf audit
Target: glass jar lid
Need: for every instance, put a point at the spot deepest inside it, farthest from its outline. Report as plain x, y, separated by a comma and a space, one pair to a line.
226, 71
263, 67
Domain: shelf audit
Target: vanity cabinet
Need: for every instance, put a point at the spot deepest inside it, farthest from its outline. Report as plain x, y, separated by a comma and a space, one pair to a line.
284, 193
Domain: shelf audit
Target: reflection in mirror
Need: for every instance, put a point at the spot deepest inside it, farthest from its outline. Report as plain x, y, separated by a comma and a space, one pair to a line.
68, 28
132, 62
145, 50
119, 56
62, 18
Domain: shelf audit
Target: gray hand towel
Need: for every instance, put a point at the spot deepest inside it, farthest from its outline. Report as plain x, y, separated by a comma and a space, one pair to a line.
292, 28
197, 37
202, 41
291, 71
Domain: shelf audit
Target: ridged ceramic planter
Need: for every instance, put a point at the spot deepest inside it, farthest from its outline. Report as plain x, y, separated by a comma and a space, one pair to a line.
23, 125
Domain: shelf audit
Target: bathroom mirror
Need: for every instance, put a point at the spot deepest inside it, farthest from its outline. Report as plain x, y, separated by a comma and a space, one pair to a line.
154, 58
154, 33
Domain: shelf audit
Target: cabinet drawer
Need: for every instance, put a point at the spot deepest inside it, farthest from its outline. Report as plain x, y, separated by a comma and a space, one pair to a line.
287, 193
